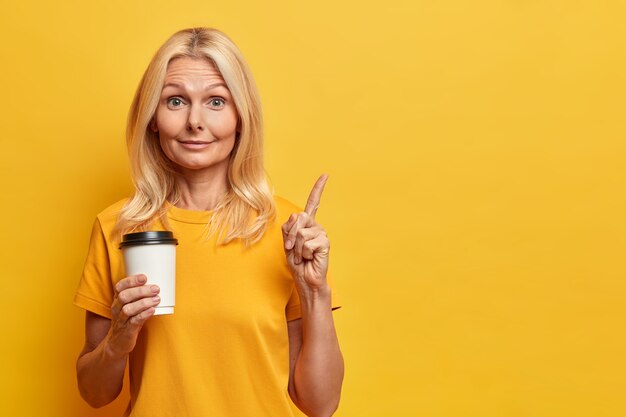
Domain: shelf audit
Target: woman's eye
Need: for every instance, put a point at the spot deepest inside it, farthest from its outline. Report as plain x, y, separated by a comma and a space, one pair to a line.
174, 102
217, 102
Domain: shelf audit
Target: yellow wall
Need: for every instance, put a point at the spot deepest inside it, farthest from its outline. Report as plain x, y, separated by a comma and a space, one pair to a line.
475, 205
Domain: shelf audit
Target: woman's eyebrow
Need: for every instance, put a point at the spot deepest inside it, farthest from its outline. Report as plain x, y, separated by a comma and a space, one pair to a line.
182, 87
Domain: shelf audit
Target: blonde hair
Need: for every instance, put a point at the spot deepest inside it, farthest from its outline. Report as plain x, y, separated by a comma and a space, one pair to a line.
248, 207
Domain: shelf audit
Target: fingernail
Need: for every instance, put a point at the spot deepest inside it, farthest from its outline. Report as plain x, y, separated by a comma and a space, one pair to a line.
156, 299
154, 289
142, 278
289, 244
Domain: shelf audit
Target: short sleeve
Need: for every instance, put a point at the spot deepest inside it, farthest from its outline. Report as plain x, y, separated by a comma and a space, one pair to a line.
95, 290
293, 305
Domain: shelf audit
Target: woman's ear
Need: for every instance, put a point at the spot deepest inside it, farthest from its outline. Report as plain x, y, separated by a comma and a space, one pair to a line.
153, 126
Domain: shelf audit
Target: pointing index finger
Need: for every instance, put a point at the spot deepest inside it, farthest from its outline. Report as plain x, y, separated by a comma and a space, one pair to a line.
313, 202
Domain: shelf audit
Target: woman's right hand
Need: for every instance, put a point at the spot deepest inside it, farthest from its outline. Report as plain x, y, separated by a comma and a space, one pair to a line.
134, 303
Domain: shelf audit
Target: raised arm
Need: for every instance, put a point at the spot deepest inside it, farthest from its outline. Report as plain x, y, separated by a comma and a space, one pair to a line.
316, 363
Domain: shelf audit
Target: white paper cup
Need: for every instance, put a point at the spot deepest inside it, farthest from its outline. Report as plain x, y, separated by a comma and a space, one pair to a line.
154, 255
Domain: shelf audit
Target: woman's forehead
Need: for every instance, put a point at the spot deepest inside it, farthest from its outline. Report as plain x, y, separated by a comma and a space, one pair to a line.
184, 67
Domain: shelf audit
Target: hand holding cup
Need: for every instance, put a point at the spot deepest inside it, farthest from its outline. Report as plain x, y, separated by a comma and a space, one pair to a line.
134, 303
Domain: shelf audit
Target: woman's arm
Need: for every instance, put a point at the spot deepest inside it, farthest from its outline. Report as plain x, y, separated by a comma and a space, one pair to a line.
316, 363
99, 373
100, 365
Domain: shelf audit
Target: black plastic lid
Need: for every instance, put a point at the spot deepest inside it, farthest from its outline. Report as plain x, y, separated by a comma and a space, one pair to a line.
148, 238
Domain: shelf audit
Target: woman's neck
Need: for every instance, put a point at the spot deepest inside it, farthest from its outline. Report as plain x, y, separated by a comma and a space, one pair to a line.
199, 191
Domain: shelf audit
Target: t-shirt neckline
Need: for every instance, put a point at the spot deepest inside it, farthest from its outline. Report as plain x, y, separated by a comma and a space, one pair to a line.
188, 216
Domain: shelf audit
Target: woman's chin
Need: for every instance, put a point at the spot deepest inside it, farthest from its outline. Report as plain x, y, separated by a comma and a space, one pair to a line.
196, 167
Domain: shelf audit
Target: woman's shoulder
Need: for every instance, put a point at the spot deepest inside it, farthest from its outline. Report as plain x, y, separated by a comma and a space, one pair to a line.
108, 217
285, 207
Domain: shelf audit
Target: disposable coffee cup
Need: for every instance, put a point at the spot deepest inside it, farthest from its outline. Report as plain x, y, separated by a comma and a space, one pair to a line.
154, 255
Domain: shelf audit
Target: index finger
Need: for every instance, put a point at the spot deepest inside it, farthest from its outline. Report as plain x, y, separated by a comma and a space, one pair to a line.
313, 202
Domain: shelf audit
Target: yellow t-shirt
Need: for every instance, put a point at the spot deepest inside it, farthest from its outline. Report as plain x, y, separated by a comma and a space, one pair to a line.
225, 350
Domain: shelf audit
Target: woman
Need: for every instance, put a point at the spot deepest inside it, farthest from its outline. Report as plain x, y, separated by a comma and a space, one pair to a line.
253, 318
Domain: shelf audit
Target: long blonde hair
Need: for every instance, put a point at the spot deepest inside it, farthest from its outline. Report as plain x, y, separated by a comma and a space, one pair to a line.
248, 207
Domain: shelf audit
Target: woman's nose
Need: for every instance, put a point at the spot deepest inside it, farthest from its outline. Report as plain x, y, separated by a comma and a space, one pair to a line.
194, 122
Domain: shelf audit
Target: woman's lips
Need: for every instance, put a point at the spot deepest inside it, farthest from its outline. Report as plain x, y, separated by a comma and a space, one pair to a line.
195, 145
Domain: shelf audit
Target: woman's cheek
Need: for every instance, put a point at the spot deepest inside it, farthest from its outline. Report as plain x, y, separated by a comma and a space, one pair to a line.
169, 123
225, 127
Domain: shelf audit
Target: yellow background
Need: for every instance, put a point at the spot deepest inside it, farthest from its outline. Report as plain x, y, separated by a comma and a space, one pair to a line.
476, 203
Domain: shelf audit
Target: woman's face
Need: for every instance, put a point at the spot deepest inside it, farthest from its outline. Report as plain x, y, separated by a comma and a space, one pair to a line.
196, 118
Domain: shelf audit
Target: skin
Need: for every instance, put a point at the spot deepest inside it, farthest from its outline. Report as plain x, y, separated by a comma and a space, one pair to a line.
197, 124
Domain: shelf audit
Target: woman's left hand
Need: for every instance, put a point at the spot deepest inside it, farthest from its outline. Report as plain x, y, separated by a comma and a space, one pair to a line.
307, 246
